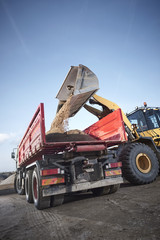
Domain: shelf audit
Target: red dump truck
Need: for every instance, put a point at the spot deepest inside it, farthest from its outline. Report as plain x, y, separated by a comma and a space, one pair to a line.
47, 170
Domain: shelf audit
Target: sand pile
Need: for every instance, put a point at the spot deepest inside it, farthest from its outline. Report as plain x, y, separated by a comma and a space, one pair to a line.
9, 180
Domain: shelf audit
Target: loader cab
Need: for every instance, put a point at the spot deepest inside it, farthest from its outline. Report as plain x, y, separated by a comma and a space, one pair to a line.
145, 118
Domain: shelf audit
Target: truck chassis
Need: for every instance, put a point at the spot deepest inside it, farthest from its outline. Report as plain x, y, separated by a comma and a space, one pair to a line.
46, 171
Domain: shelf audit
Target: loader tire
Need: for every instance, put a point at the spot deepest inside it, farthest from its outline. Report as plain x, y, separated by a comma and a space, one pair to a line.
18, 185
139, 163
40, 202
101, 191
28, 186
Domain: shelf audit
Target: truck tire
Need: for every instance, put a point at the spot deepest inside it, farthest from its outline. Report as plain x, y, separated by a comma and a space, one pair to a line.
139, 163
18, 185
40, 202
57, 200
100, 191
28, 186
114, 188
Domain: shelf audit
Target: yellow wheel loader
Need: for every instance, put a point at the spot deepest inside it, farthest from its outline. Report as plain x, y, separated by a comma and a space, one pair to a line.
140, 156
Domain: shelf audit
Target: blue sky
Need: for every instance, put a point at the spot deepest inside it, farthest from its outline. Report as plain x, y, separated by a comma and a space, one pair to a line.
119, 40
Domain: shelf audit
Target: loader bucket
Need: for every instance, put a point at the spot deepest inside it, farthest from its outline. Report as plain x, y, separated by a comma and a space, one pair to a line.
80, 83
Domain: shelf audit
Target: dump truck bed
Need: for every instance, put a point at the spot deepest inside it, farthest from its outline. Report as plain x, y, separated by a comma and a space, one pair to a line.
106, 132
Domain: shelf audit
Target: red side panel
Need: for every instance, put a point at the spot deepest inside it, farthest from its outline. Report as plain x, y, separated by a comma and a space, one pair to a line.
34, 137
109, 128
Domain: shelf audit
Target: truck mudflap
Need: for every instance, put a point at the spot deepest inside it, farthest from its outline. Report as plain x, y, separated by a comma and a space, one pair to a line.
62, 189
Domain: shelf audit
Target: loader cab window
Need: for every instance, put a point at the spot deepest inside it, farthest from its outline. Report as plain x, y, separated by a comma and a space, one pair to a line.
152, 118
157, 112
138, 119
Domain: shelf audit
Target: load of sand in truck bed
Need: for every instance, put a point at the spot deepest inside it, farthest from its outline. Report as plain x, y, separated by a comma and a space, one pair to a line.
69, 136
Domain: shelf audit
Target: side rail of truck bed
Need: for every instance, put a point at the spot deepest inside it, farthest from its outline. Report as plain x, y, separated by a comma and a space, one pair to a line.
34, 145
33, 140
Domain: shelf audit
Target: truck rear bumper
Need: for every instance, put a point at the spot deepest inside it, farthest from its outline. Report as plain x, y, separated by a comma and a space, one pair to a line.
61, 189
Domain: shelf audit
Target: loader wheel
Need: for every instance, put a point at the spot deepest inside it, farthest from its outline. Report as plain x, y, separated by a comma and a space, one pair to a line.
40, 202
100, 191
18, 185
139, 163
28, 186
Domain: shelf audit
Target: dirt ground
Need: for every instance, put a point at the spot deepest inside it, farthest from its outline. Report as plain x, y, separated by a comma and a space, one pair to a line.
131, 213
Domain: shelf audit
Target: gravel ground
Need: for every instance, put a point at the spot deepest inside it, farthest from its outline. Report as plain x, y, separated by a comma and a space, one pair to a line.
131, 213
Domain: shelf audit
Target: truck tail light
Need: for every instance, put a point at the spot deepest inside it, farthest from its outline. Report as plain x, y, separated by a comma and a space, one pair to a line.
47, 172
114, 165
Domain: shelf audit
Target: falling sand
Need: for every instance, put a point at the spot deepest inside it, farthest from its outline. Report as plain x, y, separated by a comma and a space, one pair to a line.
60, 123
58, 131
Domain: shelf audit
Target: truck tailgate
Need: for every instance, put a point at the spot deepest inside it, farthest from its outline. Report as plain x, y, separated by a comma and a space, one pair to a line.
110, 128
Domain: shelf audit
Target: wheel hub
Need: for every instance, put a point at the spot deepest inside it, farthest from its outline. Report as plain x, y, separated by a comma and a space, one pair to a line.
143, 163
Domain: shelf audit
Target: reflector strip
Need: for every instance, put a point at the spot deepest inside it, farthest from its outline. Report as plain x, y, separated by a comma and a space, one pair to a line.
113, 172
52, 181
46, 172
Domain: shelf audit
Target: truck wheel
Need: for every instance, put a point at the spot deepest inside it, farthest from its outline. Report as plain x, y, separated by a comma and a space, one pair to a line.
57, 200
100, 191
139, 163
28, 186
40, 202
18, 185
114, 188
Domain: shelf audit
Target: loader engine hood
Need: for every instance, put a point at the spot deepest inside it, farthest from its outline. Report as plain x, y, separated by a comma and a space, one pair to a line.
80, 84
